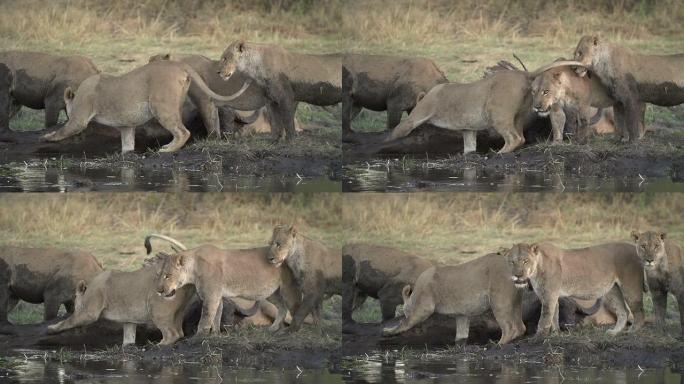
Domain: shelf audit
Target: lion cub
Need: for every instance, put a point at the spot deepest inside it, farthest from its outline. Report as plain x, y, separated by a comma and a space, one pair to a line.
664, 265
612, 270
465, 290
317, 269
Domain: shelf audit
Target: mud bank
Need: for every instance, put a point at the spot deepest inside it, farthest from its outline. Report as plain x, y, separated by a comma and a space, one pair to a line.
252, 347
587, 346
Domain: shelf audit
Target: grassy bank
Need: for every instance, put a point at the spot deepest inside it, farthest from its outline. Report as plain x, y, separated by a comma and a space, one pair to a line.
112, 226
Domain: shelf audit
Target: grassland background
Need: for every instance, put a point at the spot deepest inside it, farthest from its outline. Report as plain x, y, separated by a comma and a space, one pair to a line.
456, 227
463, 37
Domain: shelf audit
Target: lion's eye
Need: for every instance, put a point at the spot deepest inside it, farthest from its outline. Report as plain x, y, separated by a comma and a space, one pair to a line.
277, 244
167, 276
546, 92
579, 54
524, 261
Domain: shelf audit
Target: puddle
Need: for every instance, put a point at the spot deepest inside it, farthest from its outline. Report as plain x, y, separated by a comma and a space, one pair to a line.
378, 176
20, 370
378, 369
48, 179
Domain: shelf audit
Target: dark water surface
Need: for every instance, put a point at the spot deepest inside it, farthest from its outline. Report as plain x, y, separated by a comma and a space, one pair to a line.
377, 369
46, 179
378, 177
363, 369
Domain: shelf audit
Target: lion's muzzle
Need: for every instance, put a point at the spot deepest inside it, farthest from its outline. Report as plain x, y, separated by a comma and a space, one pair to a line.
520, 282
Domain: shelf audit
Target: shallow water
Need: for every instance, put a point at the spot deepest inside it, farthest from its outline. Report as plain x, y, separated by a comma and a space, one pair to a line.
38, 371
366, 369
378, 177
377, 369
41, 179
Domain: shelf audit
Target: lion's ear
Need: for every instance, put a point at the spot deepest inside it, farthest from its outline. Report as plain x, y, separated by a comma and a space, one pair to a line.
166, 56
406, 293
535, 249
595, 40
69, 94
293, 230
635, 235
557, 76
81, 287
662, 235
240, 46
180, 260
503, 251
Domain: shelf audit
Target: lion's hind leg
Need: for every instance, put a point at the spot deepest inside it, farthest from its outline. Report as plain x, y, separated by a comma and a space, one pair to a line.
616, 301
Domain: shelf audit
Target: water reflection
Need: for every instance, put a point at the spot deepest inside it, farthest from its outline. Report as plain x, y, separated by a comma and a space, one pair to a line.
39, 371
378, 369
387, 177
49, 179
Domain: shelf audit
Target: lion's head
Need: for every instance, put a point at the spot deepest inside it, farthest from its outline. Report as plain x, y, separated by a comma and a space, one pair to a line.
523, 260
547, 90
172, 275
282, 244
234, 59
586, 52
650, 247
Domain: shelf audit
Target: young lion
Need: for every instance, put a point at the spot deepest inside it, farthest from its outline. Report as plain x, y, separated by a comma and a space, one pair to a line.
286, 77
317, 269
664, 265
465, 290
218, 273
129, 298
632, 79
612, 270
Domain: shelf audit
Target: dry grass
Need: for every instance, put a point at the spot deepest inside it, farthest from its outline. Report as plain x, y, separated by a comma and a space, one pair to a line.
454, 227
112, 226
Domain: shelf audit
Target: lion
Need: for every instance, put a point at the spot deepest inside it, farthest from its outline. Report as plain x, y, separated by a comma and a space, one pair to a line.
317, 269
378, 272
40, 80
663, 262
130, 298
42, 275
6, 88
561, 89
501, 101
156, 90
632, 79
610, 270
465, 290
286, 77
218, 273
382, 83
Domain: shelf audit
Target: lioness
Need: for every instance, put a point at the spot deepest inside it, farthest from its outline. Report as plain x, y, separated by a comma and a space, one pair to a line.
316, 268
378, 272
218, 273
6, 88
253, 99
560, 89
130, 298
632, 79
286, 77
612, 270
501, 101
382, 83
465, 290
42, 275
664, 265
155, 90
40, 80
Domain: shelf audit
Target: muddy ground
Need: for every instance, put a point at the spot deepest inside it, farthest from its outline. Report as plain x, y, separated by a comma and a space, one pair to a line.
659, 154
315, 152
583, 346
311, 347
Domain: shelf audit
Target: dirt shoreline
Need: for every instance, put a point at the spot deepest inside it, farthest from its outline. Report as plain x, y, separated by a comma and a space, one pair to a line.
309, 348
648, 348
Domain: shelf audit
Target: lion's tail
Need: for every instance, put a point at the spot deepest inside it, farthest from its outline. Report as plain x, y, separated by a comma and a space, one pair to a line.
175, 244
205, 88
